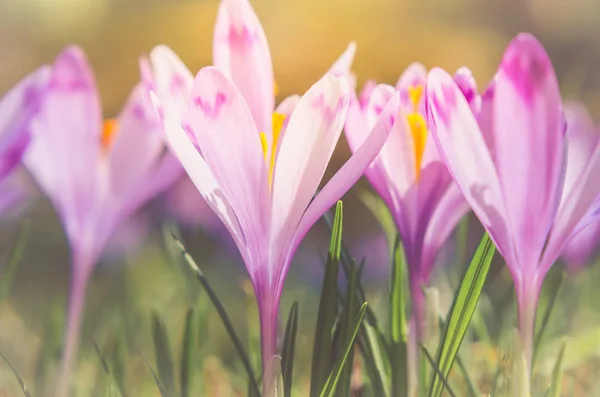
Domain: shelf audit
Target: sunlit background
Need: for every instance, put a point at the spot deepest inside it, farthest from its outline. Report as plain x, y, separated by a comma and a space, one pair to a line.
305, 37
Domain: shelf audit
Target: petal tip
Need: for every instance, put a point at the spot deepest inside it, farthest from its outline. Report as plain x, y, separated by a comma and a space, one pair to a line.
71, 71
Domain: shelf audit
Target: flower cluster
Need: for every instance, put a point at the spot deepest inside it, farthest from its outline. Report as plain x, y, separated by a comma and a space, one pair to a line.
432, 147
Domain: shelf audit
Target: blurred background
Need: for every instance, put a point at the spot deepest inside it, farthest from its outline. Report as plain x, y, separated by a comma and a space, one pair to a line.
305, 37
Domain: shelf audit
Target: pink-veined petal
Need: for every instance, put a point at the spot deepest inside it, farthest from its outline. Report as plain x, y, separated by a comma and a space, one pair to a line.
230, 145
529, 144
582, 139
342, 66
241, 51
17, 108
463, 149
466, 83
574, 209
64, 153
347, 175
306, 148
414, 76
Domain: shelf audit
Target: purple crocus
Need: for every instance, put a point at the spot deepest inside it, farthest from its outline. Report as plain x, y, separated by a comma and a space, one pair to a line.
17, 108
95, 173
510, 166
409, 175
583, 137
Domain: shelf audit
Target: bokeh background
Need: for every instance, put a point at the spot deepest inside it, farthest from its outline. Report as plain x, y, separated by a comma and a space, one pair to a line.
305, 37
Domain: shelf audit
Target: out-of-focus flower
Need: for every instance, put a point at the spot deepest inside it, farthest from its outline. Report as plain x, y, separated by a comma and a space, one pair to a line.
583, 137
95, 173
409, 175
17, 108
258, 167
511, 166
16, 192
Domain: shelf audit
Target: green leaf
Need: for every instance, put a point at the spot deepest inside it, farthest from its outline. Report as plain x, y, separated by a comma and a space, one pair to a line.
328, 306
8, 273
350, 308
222, 313
19, 379
113, 387
188, 354
164, 359
334, 378
374, 357
159, 385
461, 312
398, 331
381, 212
557, 373
289, 345
436, 370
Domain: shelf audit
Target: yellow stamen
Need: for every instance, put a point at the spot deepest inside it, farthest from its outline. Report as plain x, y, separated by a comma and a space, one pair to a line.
108, 132
277, 121
418, 130
415, 93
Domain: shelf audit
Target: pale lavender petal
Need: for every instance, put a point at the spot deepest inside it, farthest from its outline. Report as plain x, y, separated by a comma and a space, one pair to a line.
241, 51
455, 131
578, 251
414, 76
466, 83
529, 145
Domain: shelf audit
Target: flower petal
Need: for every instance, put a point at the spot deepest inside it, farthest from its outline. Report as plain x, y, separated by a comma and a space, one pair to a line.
286, 108
17, 108
578, 251
306, 148
415, 75
456, 133
64, 154
342, 67
241, 51
582, 138
230, 145
529, 144
347, 175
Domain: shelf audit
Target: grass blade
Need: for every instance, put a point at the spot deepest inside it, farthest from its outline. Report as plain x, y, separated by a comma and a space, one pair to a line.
328, 307
164, 359
461, 312
398, 328
19, 379
114, 389
289, 346
350, 307
557, 373
436, 370
159, 384
8, 274
375, 359
334, 378
188, 354
222, 313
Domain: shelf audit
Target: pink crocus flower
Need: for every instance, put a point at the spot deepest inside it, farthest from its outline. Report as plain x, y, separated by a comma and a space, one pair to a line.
583, 137
95, 173
410, 176
17, 108
511, 166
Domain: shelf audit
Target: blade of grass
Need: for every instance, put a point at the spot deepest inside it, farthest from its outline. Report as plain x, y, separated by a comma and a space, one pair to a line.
375, 360
164, 359
289, 346
159, 384
113, 387
350, 307
8, 274
461, 312
437, 371
557, 373
546, 319
328, 307
398, 328
188, 354
333, 380
223, 314
19, 379
120, 359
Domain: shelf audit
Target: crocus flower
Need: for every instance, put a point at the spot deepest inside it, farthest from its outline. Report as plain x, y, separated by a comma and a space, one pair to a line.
511, 165
409, 175
258, 169
17, 108
95, 173
583, 137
